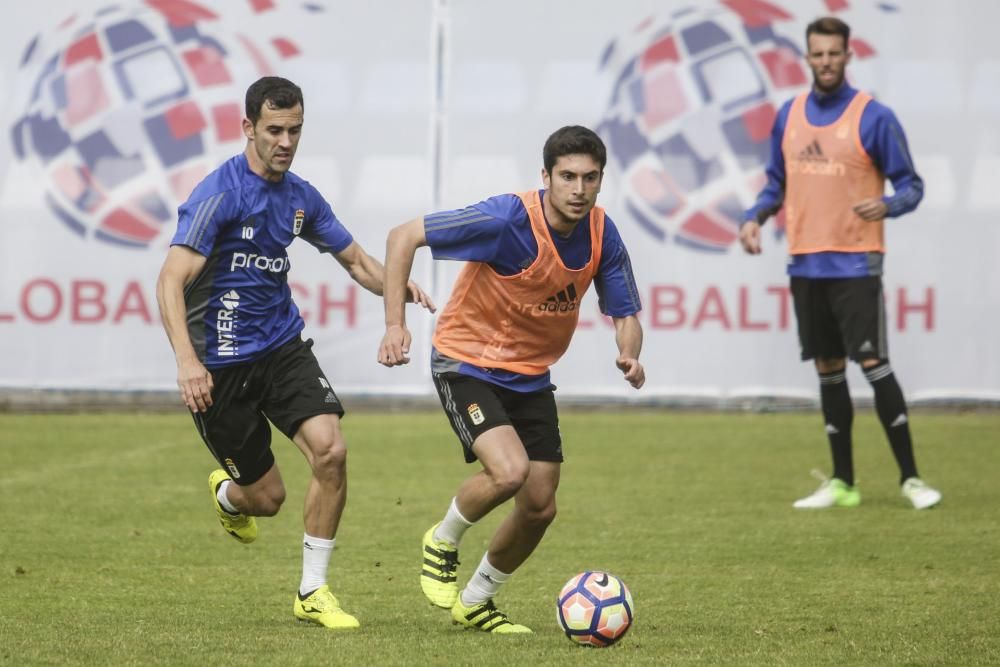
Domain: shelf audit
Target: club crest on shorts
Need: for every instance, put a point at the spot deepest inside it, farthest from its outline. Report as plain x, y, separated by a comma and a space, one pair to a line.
300, 217
234, 472
476, 414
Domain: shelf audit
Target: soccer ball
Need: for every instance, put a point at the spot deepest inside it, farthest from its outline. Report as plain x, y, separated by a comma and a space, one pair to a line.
595, 609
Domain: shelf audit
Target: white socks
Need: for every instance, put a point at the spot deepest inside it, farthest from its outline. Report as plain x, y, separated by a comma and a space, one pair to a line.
316, 551
453, 526
316, 554
484, 584
224, 499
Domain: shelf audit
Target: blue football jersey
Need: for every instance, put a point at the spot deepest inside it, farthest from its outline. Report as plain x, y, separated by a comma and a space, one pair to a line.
240, 306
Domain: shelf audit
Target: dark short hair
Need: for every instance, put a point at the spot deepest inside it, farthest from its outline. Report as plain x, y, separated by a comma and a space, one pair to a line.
829, 25
573, 140
281, 93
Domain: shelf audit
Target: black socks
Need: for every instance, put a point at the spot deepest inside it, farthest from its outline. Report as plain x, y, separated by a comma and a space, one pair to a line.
838, 413
891, 408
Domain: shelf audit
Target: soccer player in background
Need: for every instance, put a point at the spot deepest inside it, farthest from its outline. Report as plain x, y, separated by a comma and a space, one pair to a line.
241, 360
831, 150
514, 307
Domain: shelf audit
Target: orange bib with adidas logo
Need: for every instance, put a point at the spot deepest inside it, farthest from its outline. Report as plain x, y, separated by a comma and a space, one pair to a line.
827, 173
521, 323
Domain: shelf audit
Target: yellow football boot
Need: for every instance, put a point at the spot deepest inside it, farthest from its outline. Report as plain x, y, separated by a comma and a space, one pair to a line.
322, 608
437, 575
486, 617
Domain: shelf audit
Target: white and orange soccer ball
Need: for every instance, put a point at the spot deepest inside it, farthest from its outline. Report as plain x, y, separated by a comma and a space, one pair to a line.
595, 609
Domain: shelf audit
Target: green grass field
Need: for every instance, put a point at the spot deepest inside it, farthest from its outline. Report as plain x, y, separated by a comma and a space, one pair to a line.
110, 552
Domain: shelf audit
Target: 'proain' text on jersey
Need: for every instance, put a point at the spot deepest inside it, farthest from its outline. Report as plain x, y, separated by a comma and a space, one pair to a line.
240, 306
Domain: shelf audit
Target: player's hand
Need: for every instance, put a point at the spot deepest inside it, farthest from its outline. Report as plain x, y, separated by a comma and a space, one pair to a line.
872, 210
635, 374
395, 347
196, 385
750, 237
416, 295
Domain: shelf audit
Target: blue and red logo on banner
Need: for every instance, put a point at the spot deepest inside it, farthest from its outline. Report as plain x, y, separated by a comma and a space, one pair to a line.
689, 120
129, 105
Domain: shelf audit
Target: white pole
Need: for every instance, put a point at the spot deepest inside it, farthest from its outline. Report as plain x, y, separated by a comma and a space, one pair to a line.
440, 73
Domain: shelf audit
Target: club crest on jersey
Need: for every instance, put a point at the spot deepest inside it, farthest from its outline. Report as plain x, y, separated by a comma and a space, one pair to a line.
300, 217
476, 414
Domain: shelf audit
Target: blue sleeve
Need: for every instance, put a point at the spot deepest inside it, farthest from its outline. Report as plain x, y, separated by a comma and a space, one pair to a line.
322, 229
617, 294
473, 233
771, 198
203, 216
883, 139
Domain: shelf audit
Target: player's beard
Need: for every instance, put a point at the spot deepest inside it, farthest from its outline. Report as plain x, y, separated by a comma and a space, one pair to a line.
827, 89
280, 167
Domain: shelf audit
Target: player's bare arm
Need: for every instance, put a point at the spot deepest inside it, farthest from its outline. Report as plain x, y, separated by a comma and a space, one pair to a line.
181, 266
750, 237
400, 247
628, 336
364, 269
872, 210
370, 274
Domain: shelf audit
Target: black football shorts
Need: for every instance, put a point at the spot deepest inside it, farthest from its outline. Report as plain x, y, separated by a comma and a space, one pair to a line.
475, 406
841, 317
286, 387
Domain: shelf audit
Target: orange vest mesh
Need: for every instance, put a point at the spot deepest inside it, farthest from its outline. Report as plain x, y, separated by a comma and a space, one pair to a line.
828, 172
521, 323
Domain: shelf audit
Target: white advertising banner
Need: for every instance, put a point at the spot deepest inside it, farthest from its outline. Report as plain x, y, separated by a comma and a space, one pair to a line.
114, 112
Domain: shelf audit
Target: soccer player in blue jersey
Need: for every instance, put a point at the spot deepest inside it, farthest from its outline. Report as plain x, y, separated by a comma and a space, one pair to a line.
513, 310
241, 360
832, 149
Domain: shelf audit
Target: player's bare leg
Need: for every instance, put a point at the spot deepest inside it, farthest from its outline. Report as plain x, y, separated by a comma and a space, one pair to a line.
262, 498
236, 506
505, 468
515, 540
534, 510
322, 443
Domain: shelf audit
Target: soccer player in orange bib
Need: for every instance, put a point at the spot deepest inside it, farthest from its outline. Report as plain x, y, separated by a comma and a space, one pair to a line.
513, 310
831, 150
